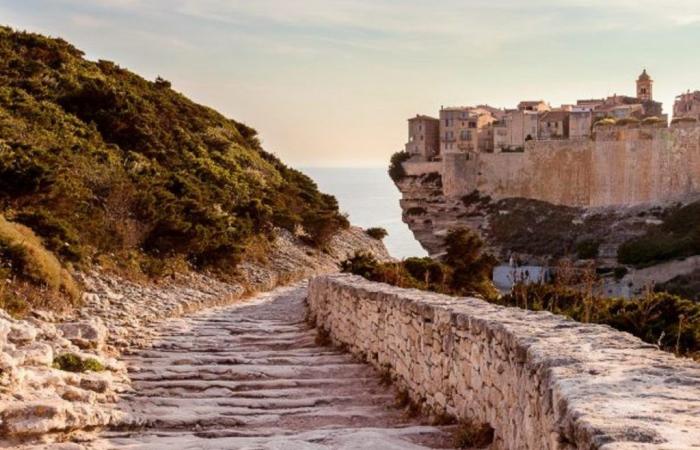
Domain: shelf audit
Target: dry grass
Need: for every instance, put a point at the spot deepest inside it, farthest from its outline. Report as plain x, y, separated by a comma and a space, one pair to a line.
27, 261
472, 435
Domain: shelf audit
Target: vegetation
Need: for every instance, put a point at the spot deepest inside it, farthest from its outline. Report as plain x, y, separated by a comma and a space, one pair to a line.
684, 120
396, 170
464, 270
106, 166
628, 121
473, 435
658, 318
70, 362
605, 122
588, 249
678, 236
25, 261
654, 120
377, 233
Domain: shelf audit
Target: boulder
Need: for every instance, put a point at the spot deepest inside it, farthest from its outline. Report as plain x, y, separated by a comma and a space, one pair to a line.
21, 333
90, 334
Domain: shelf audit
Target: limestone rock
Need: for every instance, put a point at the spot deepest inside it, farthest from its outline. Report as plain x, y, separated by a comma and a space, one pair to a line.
87, 335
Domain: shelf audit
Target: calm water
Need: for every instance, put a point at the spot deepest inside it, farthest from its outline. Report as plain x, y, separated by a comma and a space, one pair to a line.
371, 199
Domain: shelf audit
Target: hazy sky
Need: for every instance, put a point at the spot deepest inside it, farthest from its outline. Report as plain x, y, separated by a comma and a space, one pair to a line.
332, 82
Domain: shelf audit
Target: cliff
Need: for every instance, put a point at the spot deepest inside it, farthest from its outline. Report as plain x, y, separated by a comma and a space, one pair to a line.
629, 187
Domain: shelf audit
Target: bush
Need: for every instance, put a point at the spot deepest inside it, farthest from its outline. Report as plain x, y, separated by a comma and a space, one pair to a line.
471, 435
396, 170
70, 362
465, 270
588, 249
103, 163
676, 237
605, 122
654, 317
29, 260
377, 233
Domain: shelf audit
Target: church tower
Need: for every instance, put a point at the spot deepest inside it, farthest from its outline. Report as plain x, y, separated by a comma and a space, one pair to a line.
644, 86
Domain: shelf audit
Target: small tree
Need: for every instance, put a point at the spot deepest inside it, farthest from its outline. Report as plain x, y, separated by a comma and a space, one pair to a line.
472, 268
377, 233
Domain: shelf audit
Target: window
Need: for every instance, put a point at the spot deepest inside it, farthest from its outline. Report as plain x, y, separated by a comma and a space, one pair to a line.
472, 124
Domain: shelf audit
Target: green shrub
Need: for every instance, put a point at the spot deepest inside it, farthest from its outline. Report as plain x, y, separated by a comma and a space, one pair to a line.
70, 362
677, 237
377, 233
654, 317
396, 170
588, 249
103, 163
465, 270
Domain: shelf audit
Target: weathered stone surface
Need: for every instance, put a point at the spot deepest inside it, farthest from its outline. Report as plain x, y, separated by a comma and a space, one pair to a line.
542, 381
90, 334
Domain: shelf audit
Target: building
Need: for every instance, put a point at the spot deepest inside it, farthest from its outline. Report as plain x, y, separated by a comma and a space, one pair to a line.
537, 105
553, 124
514, 129
687, 106
580, 123
644, 87
423, 136
465, 129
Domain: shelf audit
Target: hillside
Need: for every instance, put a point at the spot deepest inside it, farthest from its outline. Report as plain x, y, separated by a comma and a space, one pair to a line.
106, 167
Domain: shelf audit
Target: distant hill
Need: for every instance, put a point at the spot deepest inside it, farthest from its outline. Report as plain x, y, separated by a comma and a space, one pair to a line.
106, 166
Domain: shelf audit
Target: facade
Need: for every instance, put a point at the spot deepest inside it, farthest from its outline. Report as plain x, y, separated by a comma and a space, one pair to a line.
485, 129
687, 106
580, 123
553, 125
644, 87
514, 129
537, 105
462, 129
423, 136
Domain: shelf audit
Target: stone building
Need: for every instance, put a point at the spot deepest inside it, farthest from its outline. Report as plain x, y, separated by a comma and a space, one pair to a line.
580, 123
553, 124
514, 129
423, 136
537, 105
687, 106
464, 129
644, 87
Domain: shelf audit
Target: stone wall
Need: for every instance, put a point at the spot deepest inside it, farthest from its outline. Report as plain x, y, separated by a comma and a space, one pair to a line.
620, 166
541, 381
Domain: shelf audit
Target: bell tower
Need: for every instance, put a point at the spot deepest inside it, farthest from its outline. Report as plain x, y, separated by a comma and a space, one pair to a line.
644, 87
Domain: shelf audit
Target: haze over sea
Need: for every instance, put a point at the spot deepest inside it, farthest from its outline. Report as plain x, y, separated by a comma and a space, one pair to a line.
371, 200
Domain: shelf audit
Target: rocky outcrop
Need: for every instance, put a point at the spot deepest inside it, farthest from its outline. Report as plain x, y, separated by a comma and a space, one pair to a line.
541, 381
536, 231
38, 397
40, 401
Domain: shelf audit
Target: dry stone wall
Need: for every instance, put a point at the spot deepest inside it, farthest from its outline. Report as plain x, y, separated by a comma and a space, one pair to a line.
540, 380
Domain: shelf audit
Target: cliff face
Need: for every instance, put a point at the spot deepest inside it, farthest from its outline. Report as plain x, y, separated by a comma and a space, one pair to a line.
577, 198
535, 231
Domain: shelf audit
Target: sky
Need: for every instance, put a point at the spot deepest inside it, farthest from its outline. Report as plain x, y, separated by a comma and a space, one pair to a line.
332, 82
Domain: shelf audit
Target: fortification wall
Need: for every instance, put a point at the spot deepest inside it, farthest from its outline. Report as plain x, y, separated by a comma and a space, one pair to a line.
540, 380
621, 166
415, 168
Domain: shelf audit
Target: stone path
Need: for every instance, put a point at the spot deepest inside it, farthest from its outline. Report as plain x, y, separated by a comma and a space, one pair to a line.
253, 377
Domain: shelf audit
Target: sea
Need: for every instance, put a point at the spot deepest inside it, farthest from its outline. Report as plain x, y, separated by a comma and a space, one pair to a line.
370, 199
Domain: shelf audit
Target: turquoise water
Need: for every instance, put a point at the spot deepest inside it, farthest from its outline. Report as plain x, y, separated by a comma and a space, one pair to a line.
371, 200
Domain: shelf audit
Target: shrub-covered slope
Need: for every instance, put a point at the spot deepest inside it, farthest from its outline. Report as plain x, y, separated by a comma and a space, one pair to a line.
101, 163
96, 159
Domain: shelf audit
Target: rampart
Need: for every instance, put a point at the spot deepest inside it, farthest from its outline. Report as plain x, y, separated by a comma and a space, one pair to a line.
619, 166
540, 380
